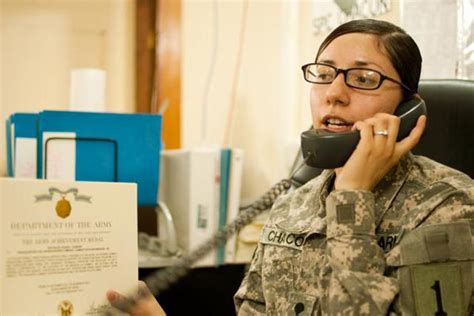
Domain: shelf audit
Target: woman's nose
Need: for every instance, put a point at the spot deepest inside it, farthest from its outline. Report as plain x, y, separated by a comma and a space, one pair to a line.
337, 92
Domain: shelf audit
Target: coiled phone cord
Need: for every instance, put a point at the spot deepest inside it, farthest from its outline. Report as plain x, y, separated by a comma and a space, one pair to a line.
163, 279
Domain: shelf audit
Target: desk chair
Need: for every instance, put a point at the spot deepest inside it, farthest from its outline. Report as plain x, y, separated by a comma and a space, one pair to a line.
449, 134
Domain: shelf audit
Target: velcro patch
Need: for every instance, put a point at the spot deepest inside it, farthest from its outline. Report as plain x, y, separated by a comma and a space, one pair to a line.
278, 237
437, 244
345, 214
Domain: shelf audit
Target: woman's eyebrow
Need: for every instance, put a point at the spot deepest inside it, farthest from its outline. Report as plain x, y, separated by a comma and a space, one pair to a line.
357, 63
366, 63
361, 63
326, 61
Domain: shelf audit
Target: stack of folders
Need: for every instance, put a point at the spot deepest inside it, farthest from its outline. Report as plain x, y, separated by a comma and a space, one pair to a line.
201, 187
86, 146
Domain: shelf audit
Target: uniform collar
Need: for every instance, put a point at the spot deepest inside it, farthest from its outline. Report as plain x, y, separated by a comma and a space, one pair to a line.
304, 208
304, 211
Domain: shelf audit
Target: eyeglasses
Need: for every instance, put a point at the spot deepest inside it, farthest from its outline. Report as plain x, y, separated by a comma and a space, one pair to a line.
359, 78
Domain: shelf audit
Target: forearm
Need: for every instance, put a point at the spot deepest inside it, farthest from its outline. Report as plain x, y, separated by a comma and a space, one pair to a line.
356, 262
249, 299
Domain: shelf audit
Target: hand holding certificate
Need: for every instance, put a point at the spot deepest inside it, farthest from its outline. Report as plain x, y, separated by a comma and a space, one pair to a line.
141, 304
64, 244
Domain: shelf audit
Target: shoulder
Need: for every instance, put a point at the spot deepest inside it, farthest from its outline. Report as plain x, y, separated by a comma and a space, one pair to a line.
437, 193
428, 171
438, 201
426, 174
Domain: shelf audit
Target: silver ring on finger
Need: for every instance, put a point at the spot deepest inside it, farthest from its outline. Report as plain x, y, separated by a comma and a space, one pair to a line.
382, 132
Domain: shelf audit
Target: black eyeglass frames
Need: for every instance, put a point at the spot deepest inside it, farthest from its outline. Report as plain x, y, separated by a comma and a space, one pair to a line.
359, 78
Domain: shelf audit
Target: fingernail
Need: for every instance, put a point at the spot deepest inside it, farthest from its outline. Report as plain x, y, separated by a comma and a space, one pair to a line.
111, 295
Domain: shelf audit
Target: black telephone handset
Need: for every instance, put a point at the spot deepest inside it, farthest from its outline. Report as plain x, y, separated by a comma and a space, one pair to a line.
327, 150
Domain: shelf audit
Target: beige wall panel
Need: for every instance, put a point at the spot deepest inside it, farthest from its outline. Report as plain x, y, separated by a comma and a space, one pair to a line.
42, 41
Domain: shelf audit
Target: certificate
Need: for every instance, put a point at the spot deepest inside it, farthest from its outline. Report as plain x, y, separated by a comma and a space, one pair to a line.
63, 244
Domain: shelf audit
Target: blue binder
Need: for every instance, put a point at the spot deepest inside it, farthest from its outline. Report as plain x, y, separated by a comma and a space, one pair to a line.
223, 198
110, 147
24, 126
9, 147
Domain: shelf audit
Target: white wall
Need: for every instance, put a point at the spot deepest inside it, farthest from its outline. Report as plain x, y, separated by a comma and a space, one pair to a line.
42, 40
258, 125
272, 99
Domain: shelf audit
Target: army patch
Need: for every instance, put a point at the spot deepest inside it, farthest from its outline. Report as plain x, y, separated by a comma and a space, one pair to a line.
437, 289
278, 237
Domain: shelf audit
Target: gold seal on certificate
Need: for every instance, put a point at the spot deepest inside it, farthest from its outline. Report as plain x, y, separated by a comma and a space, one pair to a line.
65, 308
65, 244
63, 208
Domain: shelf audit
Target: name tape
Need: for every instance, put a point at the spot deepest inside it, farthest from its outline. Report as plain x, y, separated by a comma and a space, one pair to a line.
277, 237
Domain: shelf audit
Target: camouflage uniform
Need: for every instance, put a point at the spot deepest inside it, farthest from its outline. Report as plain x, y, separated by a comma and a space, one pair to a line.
405, 248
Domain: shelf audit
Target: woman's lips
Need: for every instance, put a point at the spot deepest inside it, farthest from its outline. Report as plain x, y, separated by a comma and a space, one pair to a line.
336, 124
337, 129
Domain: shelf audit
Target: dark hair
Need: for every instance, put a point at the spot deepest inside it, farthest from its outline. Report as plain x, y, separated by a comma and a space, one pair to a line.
402, 50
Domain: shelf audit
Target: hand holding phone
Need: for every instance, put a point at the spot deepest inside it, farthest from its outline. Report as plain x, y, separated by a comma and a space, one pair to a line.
377, 152
327, 150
